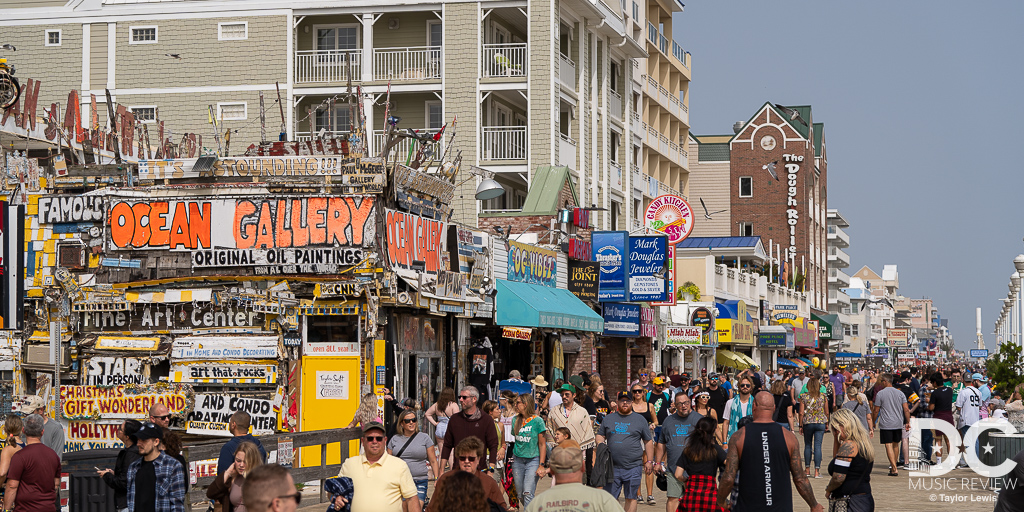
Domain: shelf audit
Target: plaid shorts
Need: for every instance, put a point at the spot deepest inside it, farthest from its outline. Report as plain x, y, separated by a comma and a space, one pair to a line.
701, 495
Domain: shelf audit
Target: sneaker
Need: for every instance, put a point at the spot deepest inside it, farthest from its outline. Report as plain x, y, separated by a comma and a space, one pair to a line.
650, 500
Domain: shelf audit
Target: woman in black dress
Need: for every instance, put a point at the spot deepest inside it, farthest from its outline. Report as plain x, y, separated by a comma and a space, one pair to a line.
851, 467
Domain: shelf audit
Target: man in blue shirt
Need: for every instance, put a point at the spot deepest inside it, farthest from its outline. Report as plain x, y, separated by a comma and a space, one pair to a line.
238, 425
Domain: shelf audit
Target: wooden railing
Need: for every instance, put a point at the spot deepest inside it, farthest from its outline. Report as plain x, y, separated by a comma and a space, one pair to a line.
321, 438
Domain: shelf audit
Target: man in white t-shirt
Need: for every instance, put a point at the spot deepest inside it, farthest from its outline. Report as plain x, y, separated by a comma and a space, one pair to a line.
968, 404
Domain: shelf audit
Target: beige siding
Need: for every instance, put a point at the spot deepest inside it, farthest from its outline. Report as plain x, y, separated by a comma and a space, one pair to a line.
184, 113
32, 4
205, 61
710, 181
57, 68
543, 106
411, 108
411, 31
461, 70
98, 61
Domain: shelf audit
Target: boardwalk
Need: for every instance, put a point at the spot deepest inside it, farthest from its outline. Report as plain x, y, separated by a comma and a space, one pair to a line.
961, 490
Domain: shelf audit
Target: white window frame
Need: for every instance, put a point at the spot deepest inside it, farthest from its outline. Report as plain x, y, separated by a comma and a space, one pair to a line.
132, 108
220, 110
743, 225
133, 28
46, 36
740, 186
426, 113
357, 26
220, 31
431, 23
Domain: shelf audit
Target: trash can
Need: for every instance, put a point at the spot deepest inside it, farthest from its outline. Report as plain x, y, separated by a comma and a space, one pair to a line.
86, 490
1004, 447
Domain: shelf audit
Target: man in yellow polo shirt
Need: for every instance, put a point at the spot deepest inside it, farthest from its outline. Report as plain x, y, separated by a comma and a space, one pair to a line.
380, 481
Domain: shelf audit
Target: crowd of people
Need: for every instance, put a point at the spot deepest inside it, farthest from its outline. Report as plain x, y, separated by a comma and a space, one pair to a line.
714, 442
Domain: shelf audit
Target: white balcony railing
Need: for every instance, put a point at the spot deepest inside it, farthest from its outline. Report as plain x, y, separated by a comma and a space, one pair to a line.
636, 127
616, 176
504, 60
566, 151
838, 276
615, 105
838, 258
409, 63
401, 150
504, 143
303, 136
567, 71
326, 66
838, 237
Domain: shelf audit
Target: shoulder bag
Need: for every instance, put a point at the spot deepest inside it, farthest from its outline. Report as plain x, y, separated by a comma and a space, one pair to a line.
842, 504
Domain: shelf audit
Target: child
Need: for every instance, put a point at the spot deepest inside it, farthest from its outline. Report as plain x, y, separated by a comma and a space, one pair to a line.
562, 434
491, 409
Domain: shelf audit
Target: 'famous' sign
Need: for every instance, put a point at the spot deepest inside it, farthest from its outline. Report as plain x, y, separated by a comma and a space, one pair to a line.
250, 223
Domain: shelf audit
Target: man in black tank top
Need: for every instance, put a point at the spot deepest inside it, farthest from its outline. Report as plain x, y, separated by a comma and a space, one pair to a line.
763, 452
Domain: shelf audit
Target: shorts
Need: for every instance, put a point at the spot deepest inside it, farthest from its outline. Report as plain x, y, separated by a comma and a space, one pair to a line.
888, 436
674, 488
627, 480
421, 489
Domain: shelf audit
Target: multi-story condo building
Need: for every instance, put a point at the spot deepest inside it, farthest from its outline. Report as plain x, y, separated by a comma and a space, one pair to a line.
597, 86
836, 240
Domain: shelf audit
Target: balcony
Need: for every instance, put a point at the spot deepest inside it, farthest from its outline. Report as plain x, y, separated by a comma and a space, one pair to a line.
838, 277
837, 258
303, 136
636, 126
736, 285
665, 189
639, 180
616, 175
681, 55
838, 237
410, 63
402, 148
504, 60
566, 151
567, 71
615, 105
327, 66
502, 143
838, 298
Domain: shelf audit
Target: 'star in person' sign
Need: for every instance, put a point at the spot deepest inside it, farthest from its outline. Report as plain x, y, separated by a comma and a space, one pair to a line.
112, 371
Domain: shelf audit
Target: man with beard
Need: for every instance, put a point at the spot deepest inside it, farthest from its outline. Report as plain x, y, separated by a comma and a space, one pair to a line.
625, 430
674, 434
471, 422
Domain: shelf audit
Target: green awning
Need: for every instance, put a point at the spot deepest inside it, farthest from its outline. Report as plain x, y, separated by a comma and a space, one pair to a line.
829, 327
531, 305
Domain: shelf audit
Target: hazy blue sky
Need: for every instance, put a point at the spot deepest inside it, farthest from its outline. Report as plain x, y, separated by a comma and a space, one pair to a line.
922, 105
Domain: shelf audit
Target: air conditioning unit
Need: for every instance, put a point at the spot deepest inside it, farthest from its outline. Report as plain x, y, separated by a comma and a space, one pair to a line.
39, 355
71, 256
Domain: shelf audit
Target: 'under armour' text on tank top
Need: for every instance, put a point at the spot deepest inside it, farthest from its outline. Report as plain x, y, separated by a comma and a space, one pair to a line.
764, 470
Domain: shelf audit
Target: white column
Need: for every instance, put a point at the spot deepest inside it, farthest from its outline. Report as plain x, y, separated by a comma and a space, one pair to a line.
290, 79
367, 59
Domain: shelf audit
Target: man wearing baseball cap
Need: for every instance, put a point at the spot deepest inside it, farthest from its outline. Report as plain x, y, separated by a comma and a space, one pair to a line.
53, 432
568, 494
381, 481
625, 430
574, 417
969, 405
154, 472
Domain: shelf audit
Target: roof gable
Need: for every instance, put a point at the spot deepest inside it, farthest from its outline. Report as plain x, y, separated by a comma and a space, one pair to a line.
546, 189
770, 115
867, 274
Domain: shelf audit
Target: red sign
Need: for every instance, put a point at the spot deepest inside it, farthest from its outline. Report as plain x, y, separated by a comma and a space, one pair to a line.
579, 249
414, 241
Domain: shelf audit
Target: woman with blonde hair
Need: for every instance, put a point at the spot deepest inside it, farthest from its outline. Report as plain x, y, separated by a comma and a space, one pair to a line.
859, 405
366, 412
227, 487
852, 465
813, 422
13, 428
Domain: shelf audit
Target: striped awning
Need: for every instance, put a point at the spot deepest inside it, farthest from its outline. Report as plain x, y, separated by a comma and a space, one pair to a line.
171, 296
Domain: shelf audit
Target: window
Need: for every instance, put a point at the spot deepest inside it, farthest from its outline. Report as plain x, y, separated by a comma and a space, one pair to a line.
342, 37
636, 11
233, 31
435, 115
53, 37
143, 35
434, 33
613, 77
144, 114
746, 186
851, 330
615, 214
746, 229
613, 148
564, 38
232, 111
339, 122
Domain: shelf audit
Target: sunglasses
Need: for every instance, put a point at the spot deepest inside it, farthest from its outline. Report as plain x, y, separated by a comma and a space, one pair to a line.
467, 458
638, 391
297, 497
410, 420
374, 439
467, 397
164, 417
744, 385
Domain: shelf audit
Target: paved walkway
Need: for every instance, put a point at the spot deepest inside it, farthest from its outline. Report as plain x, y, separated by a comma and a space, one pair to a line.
961, 490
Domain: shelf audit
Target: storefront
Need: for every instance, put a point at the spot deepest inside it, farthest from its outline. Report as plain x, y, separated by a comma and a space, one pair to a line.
830, 332
773, 339
735, 329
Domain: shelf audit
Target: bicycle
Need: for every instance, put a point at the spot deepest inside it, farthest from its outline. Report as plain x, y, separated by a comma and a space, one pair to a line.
10, 89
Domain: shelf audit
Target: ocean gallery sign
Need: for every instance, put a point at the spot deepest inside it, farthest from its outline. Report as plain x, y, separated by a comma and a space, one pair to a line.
319, 260
621, 319
583, 279
532, 264
249, 223
414, 242
166, 317
646, 258
610, 253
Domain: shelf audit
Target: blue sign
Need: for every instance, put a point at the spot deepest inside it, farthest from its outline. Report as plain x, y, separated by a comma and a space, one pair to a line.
647, 256
772, 340
979, 352
622, 319
610, 252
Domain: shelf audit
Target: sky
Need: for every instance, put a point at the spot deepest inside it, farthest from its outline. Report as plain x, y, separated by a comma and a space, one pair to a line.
921, 102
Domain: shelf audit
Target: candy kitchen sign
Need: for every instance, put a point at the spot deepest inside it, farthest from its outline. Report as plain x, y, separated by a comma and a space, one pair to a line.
122, 402
671, 215
249, 223
792, 215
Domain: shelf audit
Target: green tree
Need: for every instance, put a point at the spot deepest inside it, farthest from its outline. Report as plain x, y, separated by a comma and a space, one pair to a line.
1006, 367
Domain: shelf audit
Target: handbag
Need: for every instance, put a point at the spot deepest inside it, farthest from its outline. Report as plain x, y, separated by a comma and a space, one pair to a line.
842, 504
